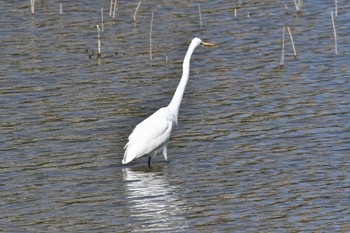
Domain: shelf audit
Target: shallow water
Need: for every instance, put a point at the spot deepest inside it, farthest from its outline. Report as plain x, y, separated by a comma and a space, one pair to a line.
257, 148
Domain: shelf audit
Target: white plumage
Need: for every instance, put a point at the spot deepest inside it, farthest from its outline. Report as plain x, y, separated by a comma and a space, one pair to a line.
151, 136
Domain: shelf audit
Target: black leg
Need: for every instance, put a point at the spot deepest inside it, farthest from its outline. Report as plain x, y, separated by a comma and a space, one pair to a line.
149, 161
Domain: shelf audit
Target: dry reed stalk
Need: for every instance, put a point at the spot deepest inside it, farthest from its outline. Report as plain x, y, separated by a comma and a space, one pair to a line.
98, 42
335, 35
102, 24
61, 11
298, 5
32, 6
110, 9
282, 57
150, 38
114, 8
291, 38
336, 8
200, 16
235, 12
138, 5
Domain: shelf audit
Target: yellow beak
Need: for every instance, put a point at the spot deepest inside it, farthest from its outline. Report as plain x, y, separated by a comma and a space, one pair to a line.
208, 44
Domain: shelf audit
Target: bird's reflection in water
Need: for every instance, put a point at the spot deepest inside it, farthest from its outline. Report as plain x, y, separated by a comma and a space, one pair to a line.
154, 204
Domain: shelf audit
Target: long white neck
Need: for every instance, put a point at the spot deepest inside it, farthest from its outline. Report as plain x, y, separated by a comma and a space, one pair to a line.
177, 98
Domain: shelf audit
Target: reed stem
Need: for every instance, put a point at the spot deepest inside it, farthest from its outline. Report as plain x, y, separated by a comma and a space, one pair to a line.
138, 5
298, 5
98, 42
32, 6
336, 8
61, 11
102, 24
291, 38
114, 8
110, 9
200, 15
282, 57
150, 38
335, 34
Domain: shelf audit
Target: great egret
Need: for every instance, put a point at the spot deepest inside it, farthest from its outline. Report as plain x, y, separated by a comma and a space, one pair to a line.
151, 136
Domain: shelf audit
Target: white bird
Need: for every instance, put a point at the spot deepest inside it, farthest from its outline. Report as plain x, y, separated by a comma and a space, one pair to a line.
151, 136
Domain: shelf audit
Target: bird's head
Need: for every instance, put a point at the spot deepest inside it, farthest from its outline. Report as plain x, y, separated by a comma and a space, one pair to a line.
198, 41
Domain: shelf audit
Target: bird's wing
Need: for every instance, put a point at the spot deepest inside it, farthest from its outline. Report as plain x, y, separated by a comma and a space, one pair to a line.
149, 135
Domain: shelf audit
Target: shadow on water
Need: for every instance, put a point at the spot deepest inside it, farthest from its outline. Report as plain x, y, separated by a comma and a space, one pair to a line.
154, 204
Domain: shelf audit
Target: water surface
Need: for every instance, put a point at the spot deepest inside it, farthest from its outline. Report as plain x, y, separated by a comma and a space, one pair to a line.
257, 148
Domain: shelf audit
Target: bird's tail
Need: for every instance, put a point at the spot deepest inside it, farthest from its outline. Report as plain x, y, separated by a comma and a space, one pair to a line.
129, 154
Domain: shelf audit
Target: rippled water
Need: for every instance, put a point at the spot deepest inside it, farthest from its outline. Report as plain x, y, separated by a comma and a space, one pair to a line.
257, 149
